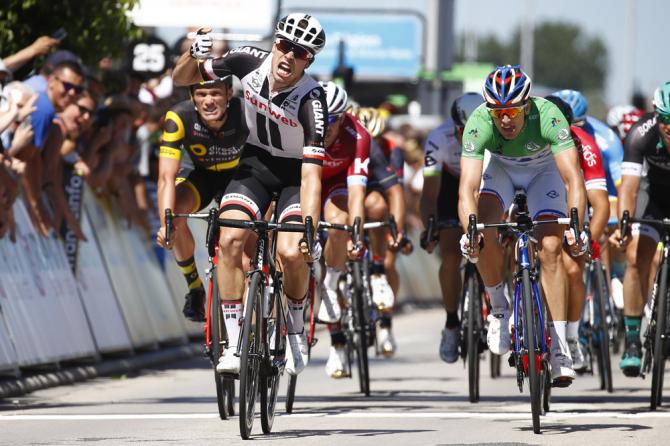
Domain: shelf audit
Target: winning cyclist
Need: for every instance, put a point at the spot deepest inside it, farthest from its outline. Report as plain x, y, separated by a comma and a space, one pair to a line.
385, 195
211, 129
439, 197
531, 148
644, 195
596, 194
286, 115
345, 176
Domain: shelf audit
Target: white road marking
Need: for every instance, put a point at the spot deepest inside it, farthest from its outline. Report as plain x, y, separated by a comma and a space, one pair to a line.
354, 414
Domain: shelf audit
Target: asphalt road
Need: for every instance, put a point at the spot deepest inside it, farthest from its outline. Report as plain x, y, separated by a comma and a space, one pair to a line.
416, 399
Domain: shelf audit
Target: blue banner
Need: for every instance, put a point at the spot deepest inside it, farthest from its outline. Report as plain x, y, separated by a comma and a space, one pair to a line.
377, 45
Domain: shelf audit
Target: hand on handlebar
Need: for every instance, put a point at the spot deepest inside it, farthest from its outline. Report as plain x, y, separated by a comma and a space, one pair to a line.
354, 251
161, 240
427, 244
313, 256
576, 246
395, 244
617, 241
471, 255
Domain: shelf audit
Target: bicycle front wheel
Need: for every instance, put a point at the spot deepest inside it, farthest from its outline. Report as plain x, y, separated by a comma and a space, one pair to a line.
474, 328
531, 342
602, 330
361, 331
250, 354
658, 367
216, 332
275, 330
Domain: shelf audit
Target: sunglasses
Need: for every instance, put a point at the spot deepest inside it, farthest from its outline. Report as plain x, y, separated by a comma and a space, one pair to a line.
299, 52
510, 112
333, 118
78, 89
664, 119
83, 110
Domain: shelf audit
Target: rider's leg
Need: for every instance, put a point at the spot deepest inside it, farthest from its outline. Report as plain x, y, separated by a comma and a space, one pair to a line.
376, 209
450, 283
335, 256
574, 269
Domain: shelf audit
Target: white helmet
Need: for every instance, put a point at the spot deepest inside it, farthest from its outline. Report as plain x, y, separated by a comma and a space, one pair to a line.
616, 114
302, 29
336, 98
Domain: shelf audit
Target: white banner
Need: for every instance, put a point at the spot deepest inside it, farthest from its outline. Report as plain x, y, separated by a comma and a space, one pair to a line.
8, 359
256, 15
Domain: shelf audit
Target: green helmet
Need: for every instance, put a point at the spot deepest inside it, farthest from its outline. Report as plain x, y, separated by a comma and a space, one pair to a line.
662, 99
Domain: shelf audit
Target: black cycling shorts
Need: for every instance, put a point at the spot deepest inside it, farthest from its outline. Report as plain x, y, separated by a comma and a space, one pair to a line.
653, 202
205, 184
260, 175
447, 199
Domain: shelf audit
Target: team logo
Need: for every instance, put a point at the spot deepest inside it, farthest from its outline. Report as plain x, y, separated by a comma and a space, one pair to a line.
469, 146
563, 134
197, 127
555, 122
314, 94
474, 133
532, 147
553, 194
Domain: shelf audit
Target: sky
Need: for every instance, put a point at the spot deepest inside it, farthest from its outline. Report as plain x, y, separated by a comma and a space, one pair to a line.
601, 18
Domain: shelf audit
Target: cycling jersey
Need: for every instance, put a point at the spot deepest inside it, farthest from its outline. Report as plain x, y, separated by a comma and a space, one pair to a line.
289, 123
381, 175
215, 151
348, 157
393, 154
545, 132
643, 147
611, 148
442, 151
590, 160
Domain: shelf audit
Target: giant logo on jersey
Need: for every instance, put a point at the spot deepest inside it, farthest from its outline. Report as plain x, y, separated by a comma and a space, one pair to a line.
263, 106
317, 109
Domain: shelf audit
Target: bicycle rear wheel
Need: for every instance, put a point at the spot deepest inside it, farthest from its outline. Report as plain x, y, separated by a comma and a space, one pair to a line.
602, 329
217, 338
531, 342
360, 330
658, 365
250, 354
474, 328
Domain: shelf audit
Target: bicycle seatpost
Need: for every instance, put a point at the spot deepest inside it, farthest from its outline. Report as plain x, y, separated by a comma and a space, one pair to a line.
168, 225
625, 226
472, 232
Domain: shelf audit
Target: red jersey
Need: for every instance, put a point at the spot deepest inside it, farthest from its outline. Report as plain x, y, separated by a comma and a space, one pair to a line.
393, 154
349, 155
590, 158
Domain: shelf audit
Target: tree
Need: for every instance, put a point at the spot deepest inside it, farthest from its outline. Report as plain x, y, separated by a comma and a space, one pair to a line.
95, 28
564, 56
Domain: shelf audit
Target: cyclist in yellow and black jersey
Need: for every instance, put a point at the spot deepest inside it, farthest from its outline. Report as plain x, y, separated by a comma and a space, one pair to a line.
211, 129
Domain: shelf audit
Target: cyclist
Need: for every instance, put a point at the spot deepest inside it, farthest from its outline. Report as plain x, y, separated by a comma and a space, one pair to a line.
531, 148
286, 115
439, 197
210, 128
596, 194
344, 179
621, 118
385, 195
644, 193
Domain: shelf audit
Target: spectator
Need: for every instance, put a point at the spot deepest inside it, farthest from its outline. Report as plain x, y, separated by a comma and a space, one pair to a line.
39, 81
42, 45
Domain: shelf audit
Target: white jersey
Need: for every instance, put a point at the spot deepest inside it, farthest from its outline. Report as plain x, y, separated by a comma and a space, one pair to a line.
442, 152
289, 123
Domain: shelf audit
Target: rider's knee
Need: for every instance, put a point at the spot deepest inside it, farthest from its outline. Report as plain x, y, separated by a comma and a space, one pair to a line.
290, 256
231, 243
375, 206
551, 249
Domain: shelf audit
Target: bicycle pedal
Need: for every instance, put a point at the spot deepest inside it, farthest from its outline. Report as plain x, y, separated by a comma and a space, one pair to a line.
561, 382
511, 360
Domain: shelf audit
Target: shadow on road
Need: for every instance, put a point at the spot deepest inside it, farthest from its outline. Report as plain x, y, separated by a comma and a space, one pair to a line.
548, 428
295, 433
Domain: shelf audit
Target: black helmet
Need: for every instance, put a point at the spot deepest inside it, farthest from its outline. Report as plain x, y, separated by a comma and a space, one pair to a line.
463, 107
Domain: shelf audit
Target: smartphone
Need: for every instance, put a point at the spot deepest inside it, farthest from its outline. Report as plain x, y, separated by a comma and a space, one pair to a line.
28, 120
60, 34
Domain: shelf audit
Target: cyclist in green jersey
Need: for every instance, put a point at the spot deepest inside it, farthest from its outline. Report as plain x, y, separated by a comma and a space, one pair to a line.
530, 148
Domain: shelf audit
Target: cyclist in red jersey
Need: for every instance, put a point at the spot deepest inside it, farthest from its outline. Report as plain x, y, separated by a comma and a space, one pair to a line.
591, 162
344, 181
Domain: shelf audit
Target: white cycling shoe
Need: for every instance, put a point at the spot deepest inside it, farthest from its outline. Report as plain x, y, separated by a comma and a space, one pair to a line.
329, 310
577, 354
386, 342
228, 362
498, 335
337, 366
296, 349
451, 339
382, 294
562, 371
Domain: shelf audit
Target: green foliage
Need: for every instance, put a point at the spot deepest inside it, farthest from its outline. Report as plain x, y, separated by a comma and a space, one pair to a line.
96, 28
564, 56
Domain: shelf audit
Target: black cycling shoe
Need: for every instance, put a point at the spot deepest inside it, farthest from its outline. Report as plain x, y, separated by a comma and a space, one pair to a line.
194, 307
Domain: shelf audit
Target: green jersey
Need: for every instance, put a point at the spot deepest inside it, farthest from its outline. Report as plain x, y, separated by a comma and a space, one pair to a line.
545, 132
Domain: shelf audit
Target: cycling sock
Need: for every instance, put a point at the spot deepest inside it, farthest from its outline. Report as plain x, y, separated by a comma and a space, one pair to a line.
498, 300
332, 277
377, 266
557, 332
232, 316
295, 319
573, 330
632, 324
452, 320
385, 321
190, 272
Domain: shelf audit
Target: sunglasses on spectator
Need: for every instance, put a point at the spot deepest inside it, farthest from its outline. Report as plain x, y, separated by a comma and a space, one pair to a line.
510, 112
286, 47
83, 110
664, 119
78, 89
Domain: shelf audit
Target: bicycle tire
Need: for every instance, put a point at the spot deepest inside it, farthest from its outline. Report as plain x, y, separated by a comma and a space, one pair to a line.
658, 364
290, 393
230, 393
361, 331
546, 394
530, 341
250, 352
270, 382
473, 335
604, 358
215, 321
